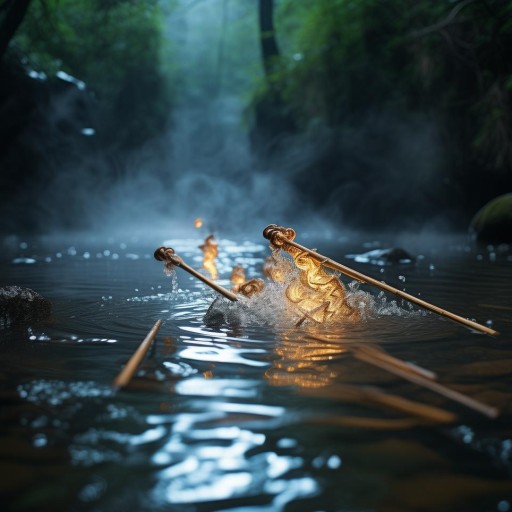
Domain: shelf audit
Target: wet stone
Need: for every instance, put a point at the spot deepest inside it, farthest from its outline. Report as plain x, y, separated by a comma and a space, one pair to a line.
224, 312
22, 306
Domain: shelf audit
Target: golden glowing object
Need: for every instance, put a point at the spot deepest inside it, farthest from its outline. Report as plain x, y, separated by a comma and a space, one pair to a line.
319, 295
251, 287
237, 277
284, 237
210, 251
198, 223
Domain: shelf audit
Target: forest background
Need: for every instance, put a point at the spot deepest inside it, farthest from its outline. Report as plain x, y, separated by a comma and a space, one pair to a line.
373, 114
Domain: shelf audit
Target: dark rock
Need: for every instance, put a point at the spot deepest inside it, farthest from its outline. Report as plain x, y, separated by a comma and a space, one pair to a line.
392, 256
21, 306
224, 312
493, 222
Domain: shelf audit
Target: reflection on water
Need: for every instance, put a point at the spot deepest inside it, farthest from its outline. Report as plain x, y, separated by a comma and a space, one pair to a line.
253, 413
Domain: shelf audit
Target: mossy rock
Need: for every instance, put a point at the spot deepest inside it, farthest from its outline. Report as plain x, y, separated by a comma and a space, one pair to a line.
493, 222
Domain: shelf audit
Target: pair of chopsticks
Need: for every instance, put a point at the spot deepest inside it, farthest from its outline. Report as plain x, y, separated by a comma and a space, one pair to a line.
422, 377
125, 375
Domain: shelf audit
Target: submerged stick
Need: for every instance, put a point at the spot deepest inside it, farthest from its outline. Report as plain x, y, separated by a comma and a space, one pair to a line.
376, 396
487, 410
280, 236
407, 366
380, 354
125, 375
168, 255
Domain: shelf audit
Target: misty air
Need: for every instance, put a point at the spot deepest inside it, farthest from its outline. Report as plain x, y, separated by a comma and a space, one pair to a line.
255, 255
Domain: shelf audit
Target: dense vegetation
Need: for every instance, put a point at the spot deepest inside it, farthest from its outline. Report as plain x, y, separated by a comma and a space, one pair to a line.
402, 107
414, 97
85, 84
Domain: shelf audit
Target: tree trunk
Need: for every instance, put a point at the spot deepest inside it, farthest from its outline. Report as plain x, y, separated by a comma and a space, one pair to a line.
13, 13
269, 48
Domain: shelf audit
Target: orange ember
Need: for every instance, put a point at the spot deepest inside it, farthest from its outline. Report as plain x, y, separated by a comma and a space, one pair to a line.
237, 277
251, 287
210, 252
198, 223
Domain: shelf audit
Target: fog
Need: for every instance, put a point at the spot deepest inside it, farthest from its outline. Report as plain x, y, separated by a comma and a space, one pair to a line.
203, 164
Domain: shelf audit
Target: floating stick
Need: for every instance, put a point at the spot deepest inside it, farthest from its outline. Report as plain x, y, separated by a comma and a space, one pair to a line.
280, 236
125, 375
168, 255
377, 396
487, 410
380, 354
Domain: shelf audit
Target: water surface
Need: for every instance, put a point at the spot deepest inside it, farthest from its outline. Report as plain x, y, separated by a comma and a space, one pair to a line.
254, 414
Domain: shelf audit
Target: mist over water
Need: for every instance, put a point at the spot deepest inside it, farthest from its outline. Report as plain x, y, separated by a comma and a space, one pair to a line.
203, 164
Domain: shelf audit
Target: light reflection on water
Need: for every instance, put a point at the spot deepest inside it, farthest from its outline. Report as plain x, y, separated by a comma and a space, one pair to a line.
247, 415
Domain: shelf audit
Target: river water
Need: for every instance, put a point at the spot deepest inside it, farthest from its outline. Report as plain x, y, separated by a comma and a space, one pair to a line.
253, 414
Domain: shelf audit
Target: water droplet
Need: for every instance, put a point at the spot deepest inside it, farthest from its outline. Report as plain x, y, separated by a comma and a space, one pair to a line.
503, 506
39, 441
333, 462
402, 278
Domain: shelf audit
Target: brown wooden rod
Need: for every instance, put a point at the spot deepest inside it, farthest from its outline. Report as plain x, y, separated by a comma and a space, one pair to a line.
168, 255
280, 236
487, 410
125, 375
378, 353
407, 366
375, 395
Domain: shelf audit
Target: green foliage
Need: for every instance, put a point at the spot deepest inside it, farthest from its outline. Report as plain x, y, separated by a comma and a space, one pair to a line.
445, 61
114, 46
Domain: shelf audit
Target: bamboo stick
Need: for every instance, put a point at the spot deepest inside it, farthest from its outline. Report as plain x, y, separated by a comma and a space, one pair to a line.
285, 236
486, 410
168, 255
377, 396
125, 375
399, 363
379, 353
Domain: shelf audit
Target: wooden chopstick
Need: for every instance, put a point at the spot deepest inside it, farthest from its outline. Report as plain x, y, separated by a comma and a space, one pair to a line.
124, 376
486, 410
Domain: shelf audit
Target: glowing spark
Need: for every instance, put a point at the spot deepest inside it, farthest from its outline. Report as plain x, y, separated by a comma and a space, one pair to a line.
210, 252
237, 277
251, 287
198, 223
